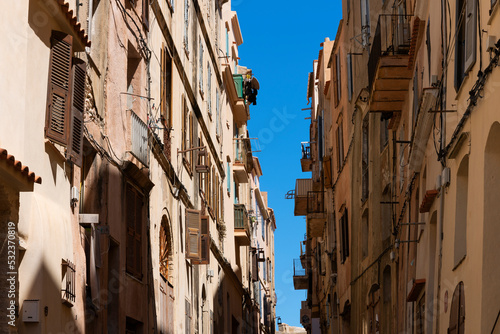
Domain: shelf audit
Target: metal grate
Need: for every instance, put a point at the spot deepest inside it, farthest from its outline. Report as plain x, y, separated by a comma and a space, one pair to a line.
139, 139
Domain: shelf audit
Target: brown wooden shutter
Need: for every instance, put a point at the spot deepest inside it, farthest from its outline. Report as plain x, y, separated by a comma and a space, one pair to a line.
130, 219
59, 88
164, 251
193, 235
145, 14
205, 241
75, 146
457, 311
335, 82
327, 169
255, 266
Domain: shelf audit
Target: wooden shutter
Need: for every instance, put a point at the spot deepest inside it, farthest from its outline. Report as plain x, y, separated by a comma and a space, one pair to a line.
255, 267
339, 80
346, 234
470, 34
145, 14
335, 81
59, 88
193, 235
75, 147
327, 170
349, 75
205, 241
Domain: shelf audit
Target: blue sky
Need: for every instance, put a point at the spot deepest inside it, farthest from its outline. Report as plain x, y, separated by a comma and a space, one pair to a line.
280, 41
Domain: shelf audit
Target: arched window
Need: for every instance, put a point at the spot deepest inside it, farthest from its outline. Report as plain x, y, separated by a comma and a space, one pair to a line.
461, 211
165, 249
457, 311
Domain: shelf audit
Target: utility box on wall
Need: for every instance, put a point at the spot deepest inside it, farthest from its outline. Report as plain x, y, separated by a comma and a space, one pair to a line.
31, 311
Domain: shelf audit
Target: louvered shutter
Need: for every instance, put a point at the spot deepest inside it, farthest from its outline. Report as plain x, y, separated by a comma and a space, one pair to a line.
130, 219
346, 227
461, 313
59, 88
145, 14
349, 75
327, 170
193, 235
205, 241
339, 81
75, 147
163, 251
255, 267
470, 34
335, 82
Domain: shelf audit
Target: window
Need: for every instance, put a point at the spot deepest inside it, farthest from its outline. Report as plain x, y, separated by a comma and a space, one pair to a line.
366, 232
465, 43
187, 312
461, 211
197, 237
340, 145
187, 135
227, 41
384, 131
217, 111
344, 236
145, 14
336, 79
263, 226
365, 161
186, 26
166, 99
365, 22
209, 89
65, 97
228, 176
457, 311
134, 217
68, 283
165, 248
349, 76
201, 67
416, 97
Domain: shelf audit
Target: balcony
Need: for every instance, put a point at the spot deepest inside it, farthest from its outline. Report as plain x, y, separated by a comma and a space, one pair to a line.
234, 86
316, 213
306, 160
300, 278
302, 188
242, 159
241, 225
388, 71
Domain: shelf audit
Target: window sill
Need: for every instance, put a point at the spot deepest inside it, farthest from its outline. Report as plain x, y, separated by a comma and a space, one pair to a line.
493, 12
459, 263
129, 275
58, 149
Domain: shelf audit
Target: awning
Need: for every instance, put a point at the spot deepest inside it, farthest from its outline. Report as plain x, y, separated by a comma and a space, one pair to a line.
417, 287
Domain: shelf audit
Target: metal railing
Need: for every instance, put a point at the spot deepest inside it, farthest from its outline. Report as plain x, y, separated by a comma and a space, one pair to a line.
298, 269
242, 150
306, 150
316, 202
241, 217
392, 37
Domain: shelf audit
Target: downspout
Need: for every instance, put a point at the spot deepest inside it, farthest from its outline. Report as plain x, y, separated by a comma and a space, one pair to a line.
444, 45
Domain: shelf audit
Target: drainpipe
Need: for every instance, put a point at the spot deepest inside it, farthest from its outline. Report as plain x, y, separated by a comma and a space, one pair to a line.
443, 145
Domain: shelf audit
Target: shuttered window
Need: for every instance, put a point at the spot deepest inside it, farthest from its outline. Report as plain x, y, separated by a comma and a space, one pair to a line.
75, 145
209, 89
457, 311
336, 83
365, 162
145, 14
193, 234
201, 66
186, 25
470, 34
166, 99
134, 203
255, 266
165, 248
59, 88
349, 76
340, 146
344, 237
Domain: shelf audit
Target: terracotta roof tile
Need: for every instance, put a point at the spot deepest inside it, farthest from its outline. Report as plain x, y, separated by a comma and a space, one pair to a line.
64, 6
23, 169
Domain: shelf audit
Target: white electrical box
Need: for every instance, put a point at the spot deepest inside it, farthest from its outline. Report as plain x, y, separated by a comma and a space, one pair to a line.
31, 311
445, 177
89, 218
